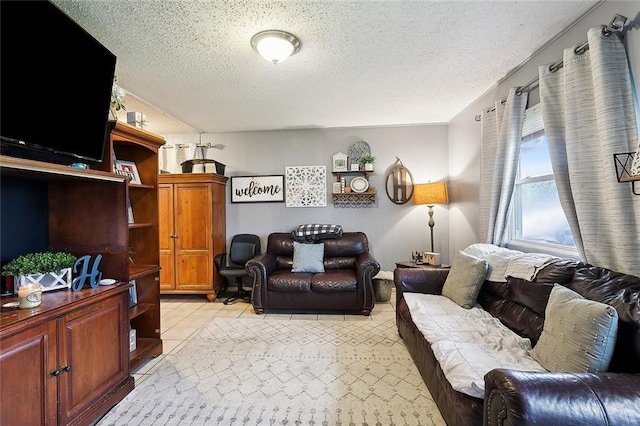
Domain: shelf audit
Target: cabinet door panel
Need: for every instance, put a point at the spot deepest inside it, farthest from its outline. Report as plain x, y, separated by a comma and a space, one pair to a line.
194, 252
166, 225
193, 218
89, 346
194, 272
28, 391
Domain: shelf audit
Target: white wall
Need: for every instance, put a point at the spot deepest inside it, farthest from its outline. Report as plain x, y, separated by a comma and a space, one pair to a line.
393, 230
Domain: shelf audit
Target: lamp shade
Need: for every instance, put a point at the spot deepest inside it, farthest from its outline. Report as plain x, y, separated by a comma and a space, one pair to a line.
274, 45
430, 193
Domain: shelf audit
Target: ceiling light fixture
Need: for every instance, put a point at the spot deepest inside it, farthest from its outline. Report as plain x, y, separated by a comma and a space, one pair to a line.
274, 45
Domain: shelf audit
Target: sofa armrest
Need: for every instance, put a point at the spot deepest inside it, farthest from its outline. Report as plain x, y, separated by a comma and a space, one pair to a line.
524, 398
260, 267
414, 280
367, 267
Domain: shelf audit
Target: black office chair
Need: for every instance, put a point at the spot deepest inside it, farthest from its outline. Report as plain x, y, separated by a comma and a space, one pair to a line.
243, 248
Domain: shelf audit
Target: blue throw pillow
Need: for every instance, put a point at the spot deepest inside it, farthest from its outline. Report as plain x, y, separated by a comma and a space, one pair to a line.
308, 257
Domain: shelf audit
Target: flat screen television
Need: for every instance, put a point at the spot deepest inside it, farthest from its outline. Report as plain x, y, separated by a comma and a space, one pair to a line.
55, 86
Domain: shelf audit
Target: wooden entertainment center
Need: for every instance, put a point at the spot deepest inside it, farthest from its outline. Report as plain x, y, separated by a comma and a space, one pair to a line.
67, 361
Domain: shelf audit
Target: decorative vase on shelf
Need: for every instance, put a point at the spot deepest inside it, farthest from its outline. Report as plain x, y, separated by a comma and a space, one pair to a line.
368, 161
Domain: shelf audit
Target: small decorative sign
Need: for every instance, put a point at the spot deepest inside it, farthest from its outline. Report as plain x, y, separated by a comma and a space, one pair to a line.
257, 189
94, 276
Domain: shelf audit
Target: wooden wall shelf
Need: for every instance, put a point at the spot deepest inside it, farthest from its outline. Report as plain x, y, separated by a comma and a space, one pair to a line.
355, 199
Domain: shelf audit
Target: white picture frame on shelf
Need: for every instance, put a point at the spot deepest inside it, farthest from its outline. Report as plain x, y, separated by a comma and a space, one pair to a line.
339, 162
129, 170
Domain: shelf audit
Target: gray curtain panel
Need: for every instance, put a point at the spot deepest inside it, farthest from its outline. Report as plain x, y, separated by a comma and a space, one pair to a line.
588, 114
500, 153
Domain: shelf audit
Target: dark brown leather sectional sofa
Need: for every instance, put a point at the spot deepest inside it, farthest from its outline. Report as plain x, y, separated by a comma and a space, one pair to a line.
526, 398
345, 286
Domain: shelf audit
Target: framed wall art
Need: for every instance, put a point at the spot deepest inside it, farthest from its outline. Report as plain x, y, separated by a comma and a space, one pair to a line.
257, 189
339, 162
306, 186
128, 169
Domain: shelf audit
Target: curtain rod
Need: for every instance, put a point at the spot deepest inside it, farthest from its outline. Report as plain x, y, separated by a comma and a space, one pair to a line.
615, 26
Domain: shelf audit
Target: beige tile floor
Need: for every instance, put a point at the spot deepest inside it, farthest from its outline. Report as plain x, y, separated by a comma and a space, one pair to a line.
183, 315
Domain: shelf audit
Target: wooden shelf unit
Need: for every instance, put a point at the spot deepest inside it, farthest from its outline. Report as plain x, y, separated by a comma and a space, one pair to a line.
129, 143
83, 212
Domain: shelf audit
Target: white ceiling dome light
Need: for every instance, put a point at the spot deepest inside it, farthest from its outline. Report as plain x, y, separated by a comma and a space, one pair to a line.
274, 45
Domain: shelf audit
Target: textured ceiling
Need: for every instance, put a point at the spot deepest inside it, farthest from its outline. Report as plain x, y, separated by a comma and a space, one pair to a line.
362, 63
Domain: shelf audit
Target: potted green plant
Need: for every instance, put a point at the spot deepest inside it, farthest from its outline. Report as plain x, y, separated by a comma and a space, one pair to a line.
368, 161
52, 270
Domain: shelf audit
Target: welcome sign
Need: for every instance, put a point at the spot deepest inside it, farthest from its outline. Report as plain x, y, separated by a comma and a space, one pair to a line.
257, 189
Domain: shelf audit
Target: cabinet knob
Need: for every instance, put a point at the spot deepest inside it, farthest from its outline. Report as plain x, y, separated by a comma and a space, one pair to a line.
55, 373
66, 368
173, 236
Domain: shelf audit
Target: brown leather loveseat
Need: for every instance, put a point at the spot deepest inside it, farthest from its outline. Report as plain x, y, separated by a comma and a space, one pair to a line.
344, 286
524, 397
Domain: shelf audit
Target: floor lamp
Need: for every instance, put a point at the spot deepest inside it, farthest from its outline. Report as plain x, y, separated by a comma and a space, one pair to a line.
430, 194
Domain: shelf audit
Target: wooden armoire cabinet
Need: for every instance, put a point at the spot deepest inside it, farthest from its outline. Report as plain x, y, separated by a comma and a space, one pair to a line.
192, 232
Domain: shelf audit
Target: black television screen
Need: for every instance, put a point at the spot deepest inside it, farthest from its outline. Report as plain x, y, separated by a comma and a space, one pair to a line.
55, 86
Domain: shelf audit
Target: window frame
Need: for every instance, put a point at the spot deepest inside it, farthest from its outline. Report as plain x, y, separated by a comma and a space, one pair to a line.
532, 129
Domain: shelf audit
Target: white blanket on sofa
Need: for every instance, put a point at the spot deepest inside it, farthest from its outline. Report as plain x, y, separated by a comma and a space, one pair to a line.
505, 262
468, 343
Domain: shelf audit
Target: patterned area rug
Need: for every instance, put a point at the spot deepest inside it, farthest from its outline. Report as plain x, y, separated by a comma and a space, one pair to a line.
274, 372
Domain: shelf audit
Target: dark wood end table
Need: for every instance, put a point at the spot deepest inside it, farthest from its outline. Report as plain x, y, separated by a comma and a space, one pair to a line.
413, 264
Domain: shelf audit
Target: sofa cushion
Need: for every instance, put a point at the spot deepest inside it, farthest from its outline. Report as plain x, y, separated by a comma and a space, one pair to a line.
308, 257
622, 291
468, 343
465, 279
287, 281
579, 334
533, 295
559, 271
335, 280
